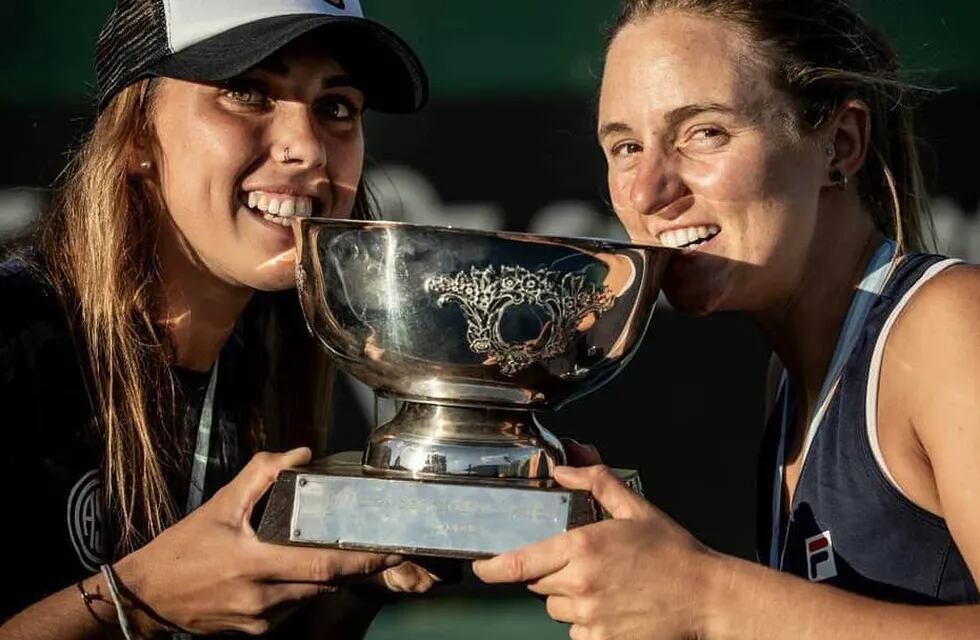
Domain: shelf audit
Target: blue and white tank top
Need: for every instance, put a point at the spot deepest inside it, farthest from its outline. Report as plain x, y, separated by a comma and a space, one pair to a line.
849, 524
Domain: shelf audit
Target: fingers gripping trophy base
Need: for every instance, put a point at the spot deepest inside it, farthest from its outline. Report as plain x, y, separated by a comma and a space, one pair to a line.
475, 333
335, 504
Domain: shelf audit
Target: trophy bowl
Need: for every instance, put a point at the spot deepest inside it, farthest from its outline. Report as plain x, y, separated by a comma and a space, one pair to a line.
473, 332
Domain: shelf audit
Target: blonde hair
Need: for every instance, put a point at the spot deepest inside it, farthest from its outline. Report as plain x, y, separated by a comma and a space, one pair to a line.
97, 245
823, 53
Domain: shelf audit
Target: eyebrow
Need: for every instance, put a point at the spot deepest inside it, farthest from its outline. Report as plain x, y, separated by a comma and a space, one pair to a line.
681, 114
610, 128
673, 118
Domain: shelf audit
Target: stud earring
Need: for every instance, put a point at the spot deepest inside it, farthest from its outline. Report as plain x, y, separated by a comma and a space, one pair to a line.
839, 178
145, 165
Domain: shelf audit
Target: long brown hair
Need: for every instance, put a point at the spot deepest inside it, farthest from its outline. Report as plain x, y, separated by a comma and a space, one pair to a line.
822, 53
97, 243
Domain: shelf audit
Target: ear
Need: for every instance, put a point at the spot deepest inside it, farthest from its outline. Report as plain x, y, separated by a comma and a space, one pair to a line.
848, 137
141, 156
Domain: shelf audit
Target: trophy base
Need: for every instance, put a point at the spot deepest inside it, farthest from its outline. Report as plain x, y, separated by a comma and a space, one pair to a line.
333, 503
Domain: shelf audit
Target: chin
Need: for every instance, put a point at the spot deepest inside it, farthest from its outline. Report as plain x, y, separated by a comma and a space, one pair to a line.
272, 285
692, 305
272, 272
279, 278
692, 296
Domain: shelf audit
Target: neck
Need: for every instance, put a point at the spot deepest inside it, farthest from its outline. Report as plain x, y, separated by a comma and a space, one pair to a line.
805, 327
199, 309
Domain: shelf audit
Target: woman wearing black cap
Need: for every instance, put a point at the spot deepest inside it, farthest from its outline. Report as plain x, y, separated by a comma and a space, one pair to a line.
149, 343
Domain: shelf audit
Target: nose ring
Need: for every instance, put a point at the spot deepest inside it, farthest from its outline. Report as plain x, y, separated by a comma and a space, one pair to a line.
285, 155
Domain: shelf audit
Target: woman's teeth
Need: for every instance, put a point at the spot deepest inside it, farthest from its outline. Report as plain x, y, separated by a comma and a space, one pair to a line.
689, 236
279, 207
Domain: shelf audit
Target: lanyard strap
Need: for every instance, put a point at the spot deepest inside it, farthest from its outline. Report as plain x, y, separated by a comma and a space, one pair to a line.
868, 291
202, 448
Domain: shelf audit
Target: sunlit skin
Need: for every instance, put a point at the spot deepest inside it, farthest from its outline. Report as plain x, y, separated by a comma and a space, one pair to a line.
696, 134
214, 143
209, 144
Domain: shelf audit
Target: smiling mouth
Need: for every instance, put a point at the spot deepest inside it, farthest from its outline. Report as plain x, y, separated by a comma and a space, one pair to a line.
280, 208
688, 237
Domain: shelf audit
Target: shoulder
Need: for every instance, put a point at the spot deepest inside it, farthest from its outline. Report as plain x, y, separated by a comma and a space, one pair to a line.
934, 354
35, 339
42, 384
945, 311
31, 306
934, 351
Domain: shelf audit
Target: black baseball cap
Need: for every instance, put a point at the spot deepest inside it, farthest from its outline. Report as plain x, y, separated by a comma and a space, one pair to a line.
213, 40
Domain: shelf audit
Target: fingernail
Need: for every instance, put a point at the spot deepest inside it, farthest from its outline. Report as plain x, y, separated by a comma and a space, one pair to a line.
393, 561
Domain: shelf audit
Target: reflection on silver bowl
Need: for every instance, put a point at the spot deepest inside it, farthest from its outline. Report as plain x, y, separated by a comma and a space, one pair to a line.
473, 330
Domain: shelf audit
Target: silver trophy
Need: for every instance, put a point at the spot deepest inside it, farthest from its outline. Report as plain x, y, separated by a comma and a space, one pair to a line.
472, 332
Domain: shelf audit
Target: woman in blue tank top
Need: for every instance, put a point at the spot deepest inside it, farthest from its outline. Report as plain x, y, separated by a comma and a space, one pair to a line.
771, 143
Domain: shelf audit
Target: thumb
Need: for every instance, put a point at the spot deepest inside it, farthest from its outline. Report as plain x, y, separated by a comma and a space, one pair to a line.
608, 490
254, 480
580, 455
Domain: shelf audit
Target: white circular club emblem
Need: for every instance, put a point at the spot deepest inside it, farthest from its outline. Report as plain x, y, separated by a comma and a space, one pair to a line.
86, 526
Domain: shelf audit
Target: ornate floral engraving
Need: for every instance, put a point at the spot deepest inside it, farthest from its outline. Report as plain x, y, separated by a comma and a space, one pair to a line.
485, 294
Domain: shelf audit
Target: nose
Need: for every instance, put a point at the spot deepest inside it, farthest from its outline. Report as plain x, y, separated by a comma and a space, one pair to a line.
297, 139
655, 184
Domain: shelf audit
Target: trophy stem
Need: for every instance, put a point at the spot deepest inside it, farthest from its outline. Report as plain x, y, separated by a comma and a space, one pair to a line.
439, 440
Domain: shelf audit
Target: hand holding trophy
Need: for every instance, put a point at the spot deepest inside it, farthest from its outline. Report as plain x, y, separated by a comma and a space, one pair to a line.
473, 332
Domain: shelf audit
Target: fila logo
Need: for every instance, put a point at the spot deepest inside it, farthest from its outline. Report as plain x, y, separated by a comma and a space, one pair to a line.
337, 3
820, 564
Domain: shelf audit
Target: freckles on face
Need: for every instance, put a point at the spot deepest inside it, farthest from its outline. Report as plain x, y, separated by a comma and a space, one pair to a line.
703, 155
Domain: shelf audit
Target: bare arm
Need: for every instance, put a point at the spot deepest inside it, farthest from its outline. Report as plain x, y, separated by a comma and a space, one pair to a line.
64, 616
208, 573
936, 350
642, 576
751, 601
933, 359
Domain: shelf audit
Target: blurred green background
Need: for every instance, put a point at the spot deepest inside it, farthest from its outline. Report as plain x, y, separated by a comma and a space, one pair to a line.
507, 141
507, 46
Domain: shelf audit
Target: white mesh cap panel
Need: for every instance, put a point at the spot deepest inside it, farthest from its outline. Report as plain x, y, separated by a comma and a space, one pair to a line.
191, 21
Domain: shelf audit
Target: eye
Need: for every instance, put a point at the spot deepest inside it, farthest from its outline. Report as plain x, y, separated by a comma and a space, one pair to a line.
624, 149
709, 137
242, 94
338, 108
